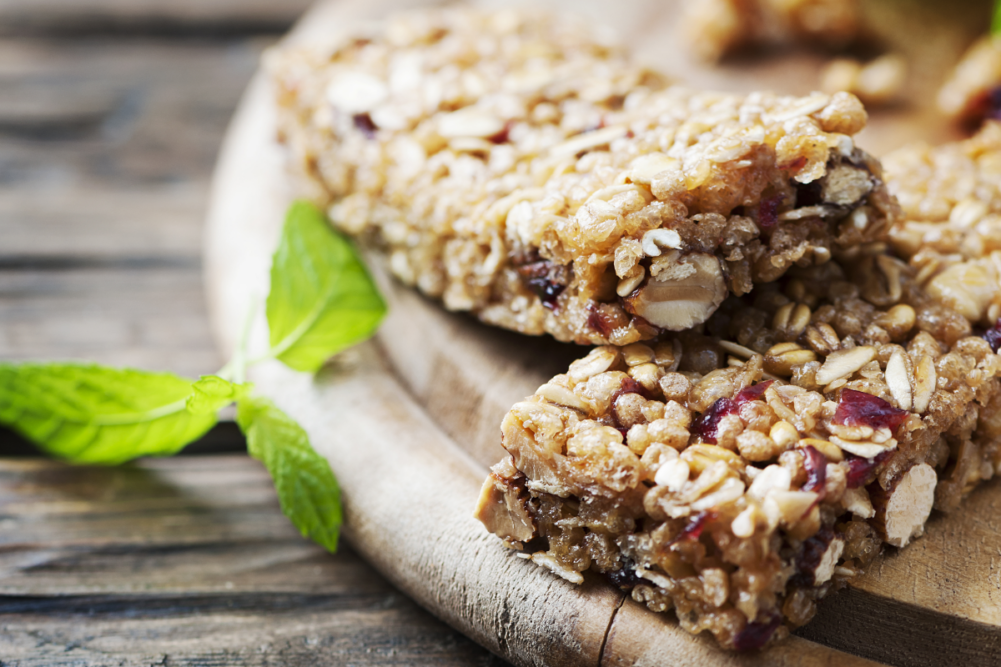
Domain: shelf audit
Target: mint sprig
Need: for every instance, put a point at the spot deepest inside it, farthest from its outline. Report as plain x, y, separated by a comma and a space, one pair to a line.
307, 490
92, 414
322, 300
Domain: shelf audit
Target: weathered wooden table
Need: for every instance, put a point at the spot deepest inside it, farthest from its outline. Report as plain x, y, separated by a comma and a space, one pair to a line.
111, 114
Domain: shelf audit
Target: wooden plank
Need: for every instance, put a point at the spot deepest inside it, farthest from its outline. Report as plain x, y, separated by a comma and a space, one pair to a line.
150, 318
189, 560
106, 147
158, 16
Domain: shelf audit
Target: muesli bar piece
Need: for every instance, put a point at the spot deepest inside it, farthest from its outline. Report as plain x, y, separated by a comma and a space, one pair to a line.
517, 167
716, 28
740, 474
950, 230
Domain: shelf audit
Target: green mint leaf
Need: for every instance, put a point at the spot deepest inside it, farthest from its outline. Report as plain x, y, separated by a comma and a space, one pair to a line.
211, 393
93, 414
307, 488
322, 300
996, 19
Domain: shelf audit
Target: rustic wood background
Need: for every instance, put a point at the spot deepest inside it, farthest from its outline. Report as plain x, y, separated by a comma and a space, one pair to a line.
111, 116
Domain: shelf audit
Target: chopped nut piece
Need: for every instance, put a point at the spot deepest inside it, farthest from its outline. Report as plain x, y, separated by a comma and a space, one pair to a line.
784, 358
673, 474
902, 511
897, 380
561, 396
825, 569
844, 362
857, 502
502, 510
655, 239
683, 298
925, 381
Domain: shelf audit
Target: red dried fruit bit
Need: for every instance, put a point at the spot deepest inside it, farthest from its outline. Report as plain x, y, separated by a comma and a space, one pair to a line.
751, 393
598, 321
503, 135
993, 336
756, 635
816, 470
862, 471
706, 424
857, 408
631, 386
693, 529
768, 211
539, 277
809, 556
365, 124
794, 165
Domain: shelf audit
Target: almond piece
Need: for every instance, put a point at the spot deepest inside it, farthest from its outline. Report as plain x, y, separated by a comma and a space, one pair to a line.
824, 569
503, 511
683, 296
902, 511
843, 363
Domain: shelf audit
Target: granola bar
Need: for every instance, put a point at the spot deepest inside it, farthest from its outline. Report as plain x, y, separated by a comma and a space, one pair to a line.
716, 28
739, 474
951, 228
516, 166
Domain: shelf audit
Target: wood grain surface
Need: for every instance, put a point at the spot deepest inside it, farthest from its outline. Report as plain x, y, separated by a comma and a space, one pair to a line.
189, 561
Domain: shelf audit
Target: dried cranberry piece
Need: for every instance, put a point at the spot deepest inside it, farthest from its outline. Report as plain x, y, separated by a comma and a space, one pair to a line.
808, 558
755, 635
857, 408
768, 211
625, 577
794, 165
503, 136
861, 471
808, 194
816, 470
547, 291
539, 278
598, 321
693, 529
993, 336
631, 386
365, 124
751, 393
706, 424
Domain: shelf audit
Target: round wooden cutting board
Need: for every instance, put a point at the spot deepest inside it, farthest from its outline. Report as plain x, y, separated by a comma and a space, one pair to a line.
410, 421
